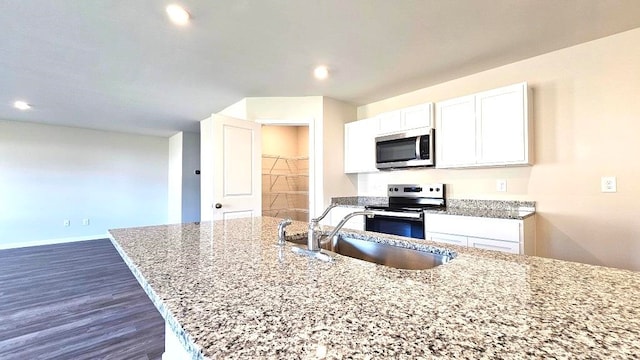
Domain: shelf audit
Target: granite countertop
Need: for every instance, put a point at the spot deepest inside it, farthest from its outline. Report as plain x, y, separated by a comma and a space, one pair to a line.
228, 291
487, 213
498, 209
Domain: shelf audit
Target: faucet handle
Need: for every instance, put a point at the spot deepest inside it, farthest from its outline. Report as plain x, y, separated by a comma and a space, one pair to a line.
282, 230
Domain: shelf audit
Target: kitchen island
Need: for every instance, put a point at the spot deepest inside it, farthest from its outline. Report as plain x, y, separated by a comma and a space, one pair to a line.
226, 290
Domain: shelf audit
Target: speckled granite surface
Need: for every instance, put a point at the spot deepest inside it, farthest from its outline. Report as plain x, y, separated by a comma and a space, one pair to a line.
487, 213
501, 209
230, 292
359, 200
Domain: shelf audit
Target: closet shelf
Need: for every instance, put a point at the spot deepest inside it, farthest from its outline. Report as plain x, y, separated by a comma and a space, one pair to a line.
286, 192
268, 156
286, 183
286, 174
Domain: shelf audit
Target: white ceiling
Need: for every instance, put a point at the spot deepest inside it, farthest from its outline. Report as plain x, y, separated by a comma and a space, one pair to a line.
121, 65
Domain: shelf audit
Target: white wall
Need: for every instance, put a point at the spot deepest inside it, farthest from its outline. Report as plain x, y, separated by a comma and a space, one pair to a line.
175, 179
52, 173
206, 168
586, 124
237, 110
336, 182
190, 181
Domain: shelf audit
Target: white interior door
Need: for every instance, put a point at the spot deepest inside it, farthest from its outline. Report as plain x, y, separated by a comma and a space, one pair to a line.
237, 180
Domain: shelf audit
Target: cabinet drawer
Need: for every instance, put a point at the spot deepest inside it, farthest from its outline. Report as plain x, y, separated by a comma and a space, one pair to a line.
500, 229
496, 245
447, 238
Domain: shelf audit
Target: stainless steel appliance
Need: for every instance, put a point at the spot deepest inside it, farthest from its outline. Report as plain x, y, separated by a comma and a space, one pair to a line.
413, 148
405, 213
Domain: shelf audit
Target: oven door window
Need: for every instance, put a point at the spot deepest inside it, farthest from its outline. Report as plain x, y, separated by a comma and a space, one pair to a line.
413, 228
396, 150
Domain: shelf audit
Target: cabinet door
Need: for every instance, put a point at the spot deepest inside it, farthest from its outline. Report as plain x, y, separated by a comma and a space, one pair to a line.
359, 146
416, 116
502, 126
456, 132
389, 122
339, 212
496, 245
447, 238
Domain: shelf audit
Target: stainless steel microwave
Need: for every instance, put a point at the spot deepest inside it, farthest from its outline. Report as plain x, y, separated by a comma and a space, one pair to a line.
412, 148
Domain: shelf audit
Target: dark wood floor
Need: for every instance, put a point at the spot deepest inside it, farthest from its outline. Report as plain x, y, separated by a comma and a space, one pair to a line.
74, 301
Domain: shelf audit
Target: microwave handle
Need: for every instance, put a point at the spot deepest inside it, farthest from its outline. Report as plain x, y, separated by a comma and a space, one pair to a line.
418, 147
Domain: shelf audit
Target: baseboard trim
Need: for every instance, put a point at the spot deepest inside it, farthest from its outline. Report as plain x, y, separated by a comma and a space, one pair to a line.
53, 241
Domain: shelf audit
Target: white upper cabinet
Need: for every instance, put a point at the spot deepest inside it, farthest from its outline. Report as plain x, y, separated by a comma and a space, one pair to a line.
360, 146
491, 128
456, 132
389, 122
416, 116
359, 136
502, 125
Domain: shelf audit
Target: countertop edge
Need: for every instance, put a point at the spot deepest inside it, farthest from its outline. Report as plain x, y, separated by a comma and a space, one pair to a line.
179, 332
482, 213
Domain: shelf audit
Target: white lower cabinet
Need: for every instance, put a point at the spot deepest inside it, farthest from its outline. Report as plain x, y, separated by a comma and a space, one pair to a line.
491, 244
506, 235
339, 212
448, 238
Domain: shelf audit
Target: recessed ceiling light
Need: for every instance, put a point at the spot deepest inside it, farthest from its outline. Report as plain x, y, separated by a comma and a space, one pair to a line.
178, 15
321, 72
22, 105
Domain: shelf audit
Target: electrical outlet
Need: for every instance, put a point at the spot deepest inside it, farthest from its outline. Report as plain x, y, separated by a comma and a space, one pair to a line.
85, 222
501, 185
67, 223
608, 184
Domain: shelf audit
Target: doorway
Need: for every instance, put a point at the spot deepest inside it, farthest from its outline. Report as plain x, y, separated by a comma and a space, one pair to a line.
285, 171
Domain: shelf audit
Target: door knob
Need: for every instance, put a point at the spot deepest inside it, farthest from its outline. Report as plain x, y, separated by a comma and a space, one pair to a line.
218, 205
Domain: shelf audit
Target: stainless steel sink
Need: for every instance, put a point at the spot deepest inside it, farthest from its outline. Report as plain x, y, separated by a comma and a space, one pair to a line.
383, 254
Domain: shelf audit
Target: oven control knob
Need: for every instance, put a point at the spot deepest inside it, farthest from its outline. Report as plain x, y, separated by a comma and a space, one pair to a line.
437, 189
430, 189
395, 189
390, 189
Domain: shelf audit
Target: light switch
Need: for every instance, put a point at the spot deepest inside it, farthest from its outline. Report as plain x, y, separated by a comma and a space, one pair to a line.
608, 184
501, 185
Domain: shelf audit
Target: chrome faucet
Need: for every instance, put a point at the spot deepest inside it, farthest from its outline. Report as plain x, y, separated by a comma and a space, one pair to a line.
282, 230
313, 238
324, 213
316, 236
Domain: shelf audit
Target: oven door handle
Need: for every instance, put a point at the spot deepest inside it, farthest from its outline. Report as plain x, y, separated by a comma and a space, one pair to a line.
398, 214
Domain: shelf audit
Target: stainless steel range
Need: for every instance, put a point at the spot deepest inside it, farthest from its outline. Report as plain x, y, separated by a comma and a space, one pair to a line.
405, 213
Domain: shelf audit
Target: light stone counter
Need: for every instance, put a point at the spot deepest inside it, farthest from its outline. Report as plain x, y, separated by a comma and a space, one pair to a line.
498, 209
227, 291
